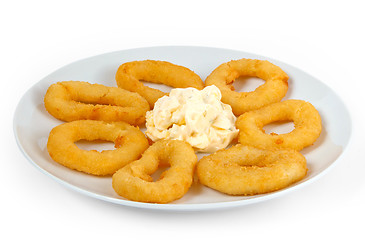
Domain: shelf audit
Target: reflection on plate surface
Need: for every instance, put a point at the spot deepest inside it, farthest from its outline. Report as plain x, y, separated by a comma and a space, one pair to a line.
32, 123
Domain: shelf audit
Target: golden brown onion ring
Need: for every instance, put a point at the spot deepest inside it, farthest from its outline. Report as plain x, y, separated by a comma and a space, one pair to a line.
135, 183
73, 100
129, 75
273, 90
129, 141
246, 170
307, 123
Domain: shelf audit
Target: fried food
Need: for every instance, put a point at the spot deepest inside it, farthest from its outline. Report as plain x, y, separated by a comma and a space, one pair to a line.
246, 170
260, 163
307, 123
129, 75
129, 141
73, 100
135, 183
273, 90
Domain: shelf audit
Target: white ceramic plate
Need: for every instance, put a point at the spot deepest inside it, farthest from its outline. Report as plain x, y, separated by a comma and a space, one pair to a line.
32, 123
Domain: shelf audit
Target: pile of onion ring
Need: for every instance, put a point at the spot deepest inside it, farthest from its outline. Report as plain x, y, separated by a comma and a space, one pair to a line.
259, 163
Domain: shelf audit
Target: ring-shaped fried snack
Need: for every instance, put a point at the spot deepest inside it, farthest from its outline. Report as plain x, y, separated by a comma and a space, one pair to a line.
246, 170
135, 183
129, 75
73, 100
307, 125
273, 90
129, 142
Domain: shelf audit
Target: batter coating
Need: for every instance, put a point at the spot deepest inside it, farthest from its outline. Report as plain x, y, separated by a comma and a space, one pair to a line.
135, 183
129, 141
307, 123
73, 100
246, 170
129, 75
273, 90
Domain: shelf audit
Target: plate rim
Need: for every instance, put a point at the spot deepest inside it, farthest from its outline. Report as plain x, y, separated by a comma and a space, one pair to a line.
187, 206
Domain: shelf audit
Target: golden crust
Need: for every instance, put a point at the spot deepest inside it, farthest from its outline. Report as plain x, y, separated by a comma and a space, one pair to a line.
246, 170
129, 141
273, 90
135, 183
129, 75
73, 100
306, 118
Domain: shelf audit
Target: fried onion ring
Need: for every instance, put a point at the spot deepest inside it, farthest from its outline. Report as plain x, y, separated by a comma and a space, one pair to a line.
73, 100
273, 90
246, 170
129, 75
307, 123
129, 141
135, 183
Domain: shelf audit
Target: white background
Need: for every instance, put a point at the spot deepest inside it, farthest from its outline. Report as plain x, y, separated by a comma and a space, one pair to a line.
324, 38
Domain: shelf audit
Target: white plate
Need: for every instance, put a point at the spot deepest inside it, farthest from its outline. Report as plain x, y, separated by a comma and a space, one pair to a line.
32, 123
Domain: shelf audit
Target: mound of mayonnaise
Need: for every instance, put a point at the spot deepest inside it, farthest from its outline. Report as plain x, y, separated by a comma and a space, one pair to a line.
196, 117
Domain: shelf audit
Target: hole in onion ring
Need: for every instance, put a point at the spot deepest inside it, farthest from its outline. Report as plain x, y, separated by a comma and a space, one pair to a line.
159, 173
247, 84
98, 145
279, 127
96, 103
162, 87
